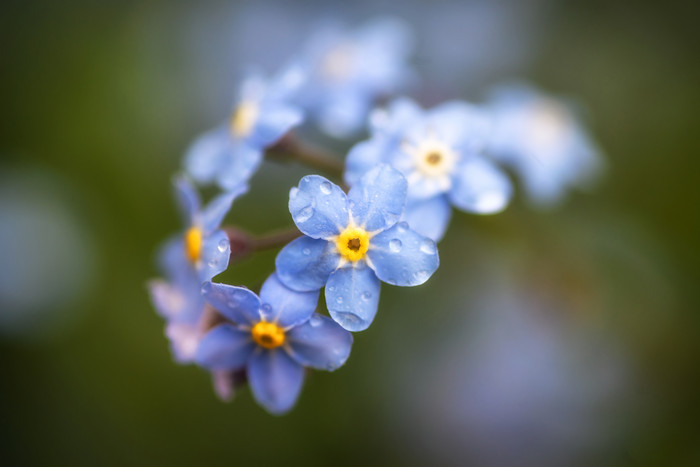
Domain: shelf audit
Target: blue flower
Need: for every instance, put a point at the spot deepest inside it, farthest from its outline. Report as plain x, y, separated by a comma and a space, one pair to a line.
231, 153
541, 139
189, 259
439, 153
352, 243
273, 336
350, 70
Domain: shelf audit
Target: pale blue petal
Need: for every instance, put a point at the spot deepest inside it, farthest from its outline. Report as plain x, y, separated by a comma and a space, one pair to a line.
480, 187
320, 343
213, 214
352, 296
393, 121
225, 348
400, 256
274, 121
173, 262
208, 154
287, 83
318, 207
238, 304
364, 156
184, 340
187, 198
177, 302
285, 306
377, 201
240, 164
429, 217
216, 252
305, 263
461, 125
275, 380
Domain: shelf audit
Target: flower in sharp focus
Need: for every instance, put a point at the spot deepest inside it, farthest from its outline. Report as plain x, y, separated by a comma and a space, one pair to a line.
189, 259
263, 113
542, 140
352, 242
439, 152
350, 70
273, 336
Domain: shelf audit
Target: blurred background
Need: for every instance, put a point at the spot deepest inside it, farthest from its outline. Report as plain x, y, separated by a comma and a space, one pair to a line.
564, 337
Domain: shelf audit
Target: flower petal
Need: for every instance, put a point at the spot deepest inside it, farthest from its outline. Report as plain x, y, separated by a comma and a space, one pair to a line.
216, 252
213, 214
240, 164
187, 198
225, 348
206, 156
480, 187
429, 217
285, 306
352, 296
275, 380
184, 340
182, 302
274, 121
318, 207
320, 343
401, 256
461, 125
378, 199
173, 262
305, 263
363, 157
238, 304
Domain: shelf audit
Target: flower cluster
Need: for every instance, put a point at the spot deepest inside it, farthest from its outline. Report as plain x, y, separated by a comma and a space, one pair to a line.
403, 182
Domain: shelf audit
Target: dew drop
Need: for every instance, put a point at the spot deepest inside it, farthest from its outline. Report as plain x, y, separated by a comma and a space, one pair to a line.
331, 288
339, 300
421, 276
366, 296
427, 247
223, 246
325, 188
401, 227
212, 263
395, 245
315, 321
304, 214
306, 251
266, 308
293, 192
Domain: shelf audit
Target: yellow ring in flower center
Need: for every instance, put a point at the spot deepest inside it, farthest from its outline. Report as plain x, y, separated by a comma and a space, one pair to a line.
244, 118
193, 244
268, 335
353, 243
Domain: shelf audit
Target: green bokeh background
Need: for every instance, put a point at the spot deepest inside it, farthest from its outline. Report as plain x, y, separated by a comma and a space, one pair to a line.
101, 95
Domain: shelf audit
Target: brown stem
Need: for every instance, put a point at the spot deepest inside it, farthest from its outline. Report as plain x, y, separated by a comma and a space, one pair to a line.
291, 148
243, 244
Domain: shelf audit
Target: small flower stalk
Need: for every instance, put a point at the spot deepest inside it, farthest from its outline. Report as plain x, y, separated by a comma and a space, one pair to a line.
378, 217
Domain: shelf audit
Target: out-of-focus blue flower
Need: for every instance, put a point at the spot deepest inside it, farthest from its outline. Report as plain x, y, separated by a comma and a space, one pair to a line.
541, 139
263, 113
274, 336
439, 153
188, 260
350, 70
352, 243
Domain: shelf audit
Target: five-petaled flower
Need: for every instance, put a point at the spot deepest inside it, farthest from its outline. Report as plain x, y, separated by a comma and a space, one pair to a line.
352, 242
349, 70
273, 336
196, 255
439, 152
540, 138
231, 154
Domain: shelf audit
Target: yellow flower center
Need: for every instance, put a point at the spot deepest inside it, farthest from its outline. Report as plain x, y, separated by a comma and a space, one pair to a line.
338, 62
244, 118
433, 158
353, 243
548, 123
268, 335
193, 244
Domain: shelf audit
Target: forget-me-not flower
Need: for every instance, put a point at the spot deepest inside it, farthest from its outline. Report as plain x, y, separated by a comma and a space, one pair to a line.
541, 139
263, 113
349, 70
439, 152
352, 242
273, 336
189, 259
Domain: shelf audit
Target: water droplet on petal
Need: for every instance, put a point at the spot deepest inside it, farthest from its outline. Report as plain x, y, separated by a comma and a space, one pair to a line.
427, 247
339, 300
325, 188
306, 251
304, 214
212, 263
395, 245
266, 308
331, 288
293, 192
315, 321
421, 276
366, 296
223, 245
402, 226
